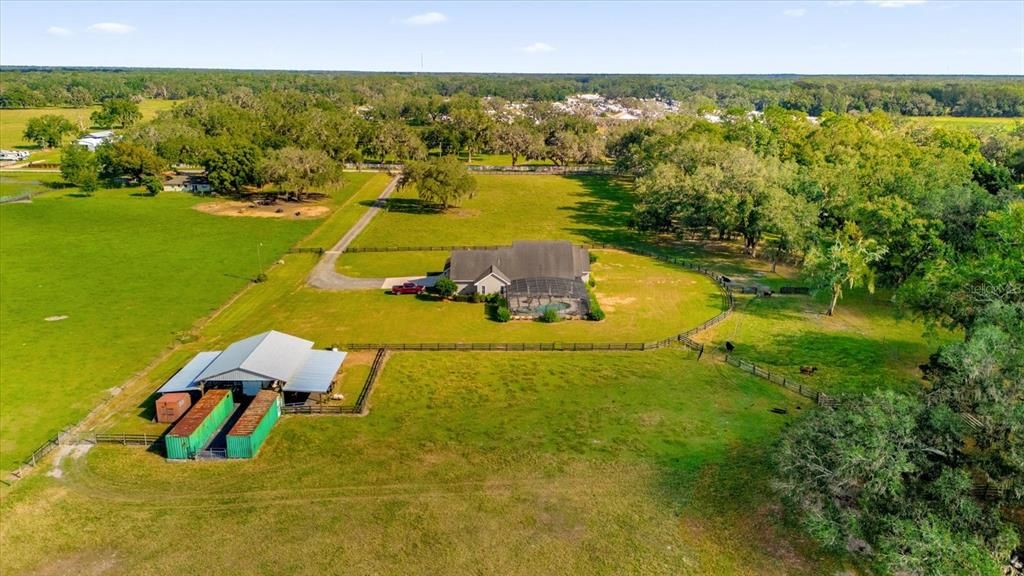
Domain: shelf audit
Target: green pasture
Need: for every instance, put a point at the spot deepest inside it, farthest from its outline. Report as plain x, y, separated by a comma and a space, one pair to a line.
13, 121
131, 273
489, 463
507, 208
970, 122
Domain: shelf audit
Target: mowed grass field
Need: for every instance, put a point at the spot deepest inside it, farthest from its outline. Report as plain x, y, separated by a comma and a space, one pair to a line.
468, 463
131, 273
507, 208
970, 122
13, 122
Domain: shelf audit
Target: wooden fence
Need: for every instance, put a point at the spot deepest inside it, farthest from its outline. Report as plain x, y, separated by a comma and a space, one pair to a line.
317, 409
371, 379
45, 448
588, 169
314, 250
788, 383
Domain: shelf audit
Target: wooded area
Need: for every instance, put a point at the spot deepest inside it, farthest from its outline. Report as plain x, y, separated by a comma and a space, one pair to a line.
25, 87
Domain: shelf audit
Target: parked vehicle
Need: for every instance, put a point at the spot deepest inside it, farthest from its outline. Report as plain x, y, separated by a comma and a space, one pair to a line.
408, 288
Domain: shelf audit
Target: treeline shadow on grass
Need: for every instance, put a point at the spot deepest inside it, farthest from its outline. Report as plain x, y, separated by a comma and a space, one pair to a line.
405, 205
603, 215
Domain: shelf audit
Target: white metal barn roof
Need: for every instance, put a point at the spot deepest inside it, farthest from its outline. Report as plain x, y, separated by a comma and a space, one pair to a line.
317, 373
186, 378
268, 356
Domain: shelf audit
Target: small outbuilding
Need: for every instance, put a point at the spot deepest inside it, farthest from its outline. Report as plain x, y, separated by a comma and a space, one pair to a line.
170, 407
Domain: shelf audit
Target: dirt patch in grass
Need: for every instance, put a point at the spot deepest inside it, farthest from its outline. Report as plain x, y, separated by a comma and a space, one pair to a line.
463, 212
287, 210
91, 563
608, 303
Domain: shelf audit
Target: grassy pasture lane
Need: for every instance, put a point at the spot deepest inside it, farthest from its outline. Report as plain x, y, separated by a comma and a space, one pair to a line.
517, 463
14, 120
130, 272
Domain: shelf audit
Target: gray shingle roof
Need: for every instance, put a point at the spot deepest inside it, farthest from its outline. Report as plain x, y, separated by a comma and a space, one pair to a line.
524, 259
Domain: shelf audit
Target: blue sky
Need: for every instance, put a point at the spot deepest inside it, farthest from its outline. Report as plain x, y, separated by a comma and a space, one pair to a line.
823, 37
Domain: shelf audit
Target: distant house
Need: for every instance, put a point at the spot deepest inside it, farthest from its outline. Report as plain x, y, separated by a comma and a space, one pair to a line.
624, 116
187, 181
268, 361
531, 275
94, 139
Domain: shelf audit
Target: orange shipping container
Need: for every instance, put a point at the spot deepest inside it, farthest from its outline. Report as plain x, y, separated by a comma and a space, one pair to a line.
170, 407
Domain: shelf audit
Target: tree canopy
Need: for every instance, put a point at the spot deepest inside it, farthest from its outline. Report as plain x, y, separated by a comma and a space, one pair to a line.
444, 181
48, 130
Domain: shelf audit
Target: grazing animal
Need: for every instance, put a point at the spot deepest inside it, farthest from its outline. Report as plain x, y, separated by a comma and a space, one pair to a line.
729, 346
809, 370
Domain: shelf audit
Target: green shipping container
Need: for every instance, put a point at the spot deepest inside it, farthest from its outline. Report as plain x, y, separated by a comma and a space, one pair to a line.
195, 429
253, 427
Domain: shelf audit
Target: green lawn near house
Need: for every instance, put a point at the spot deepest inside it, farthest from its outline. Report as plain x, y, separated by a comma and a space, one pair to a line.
645, 300
588, 463
391, 264
131, 273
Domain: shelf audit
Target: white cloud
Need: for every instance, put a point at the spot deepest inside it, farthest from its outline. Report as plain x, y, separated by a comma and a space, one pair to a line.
112, 28
58, 31
894, 3
878, 3
794, 12
426, 19
539, 48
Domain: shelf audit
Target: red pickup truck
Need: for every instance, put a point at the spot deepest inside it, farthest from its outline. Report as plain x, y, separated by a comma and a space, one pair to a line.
408, 288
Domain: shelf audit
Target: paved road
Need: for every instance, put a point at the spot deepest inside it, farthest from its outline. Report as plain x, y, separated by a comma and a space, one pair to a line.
325, 277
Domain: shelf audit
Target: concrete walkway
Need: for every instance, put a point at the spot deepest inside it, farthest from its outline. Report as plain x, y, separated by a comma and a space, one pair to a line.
325, 277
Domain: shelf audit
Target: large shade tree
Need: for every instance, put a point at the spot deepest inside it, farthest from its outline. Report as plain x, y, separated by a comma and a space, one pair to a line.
443, 181
79, 167
116, 112
48, 130
297, 171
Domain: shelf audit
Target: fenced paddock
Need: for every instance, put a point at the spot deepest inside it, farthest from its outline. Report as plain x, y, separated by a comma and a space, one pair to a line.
359, 408
800, 388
